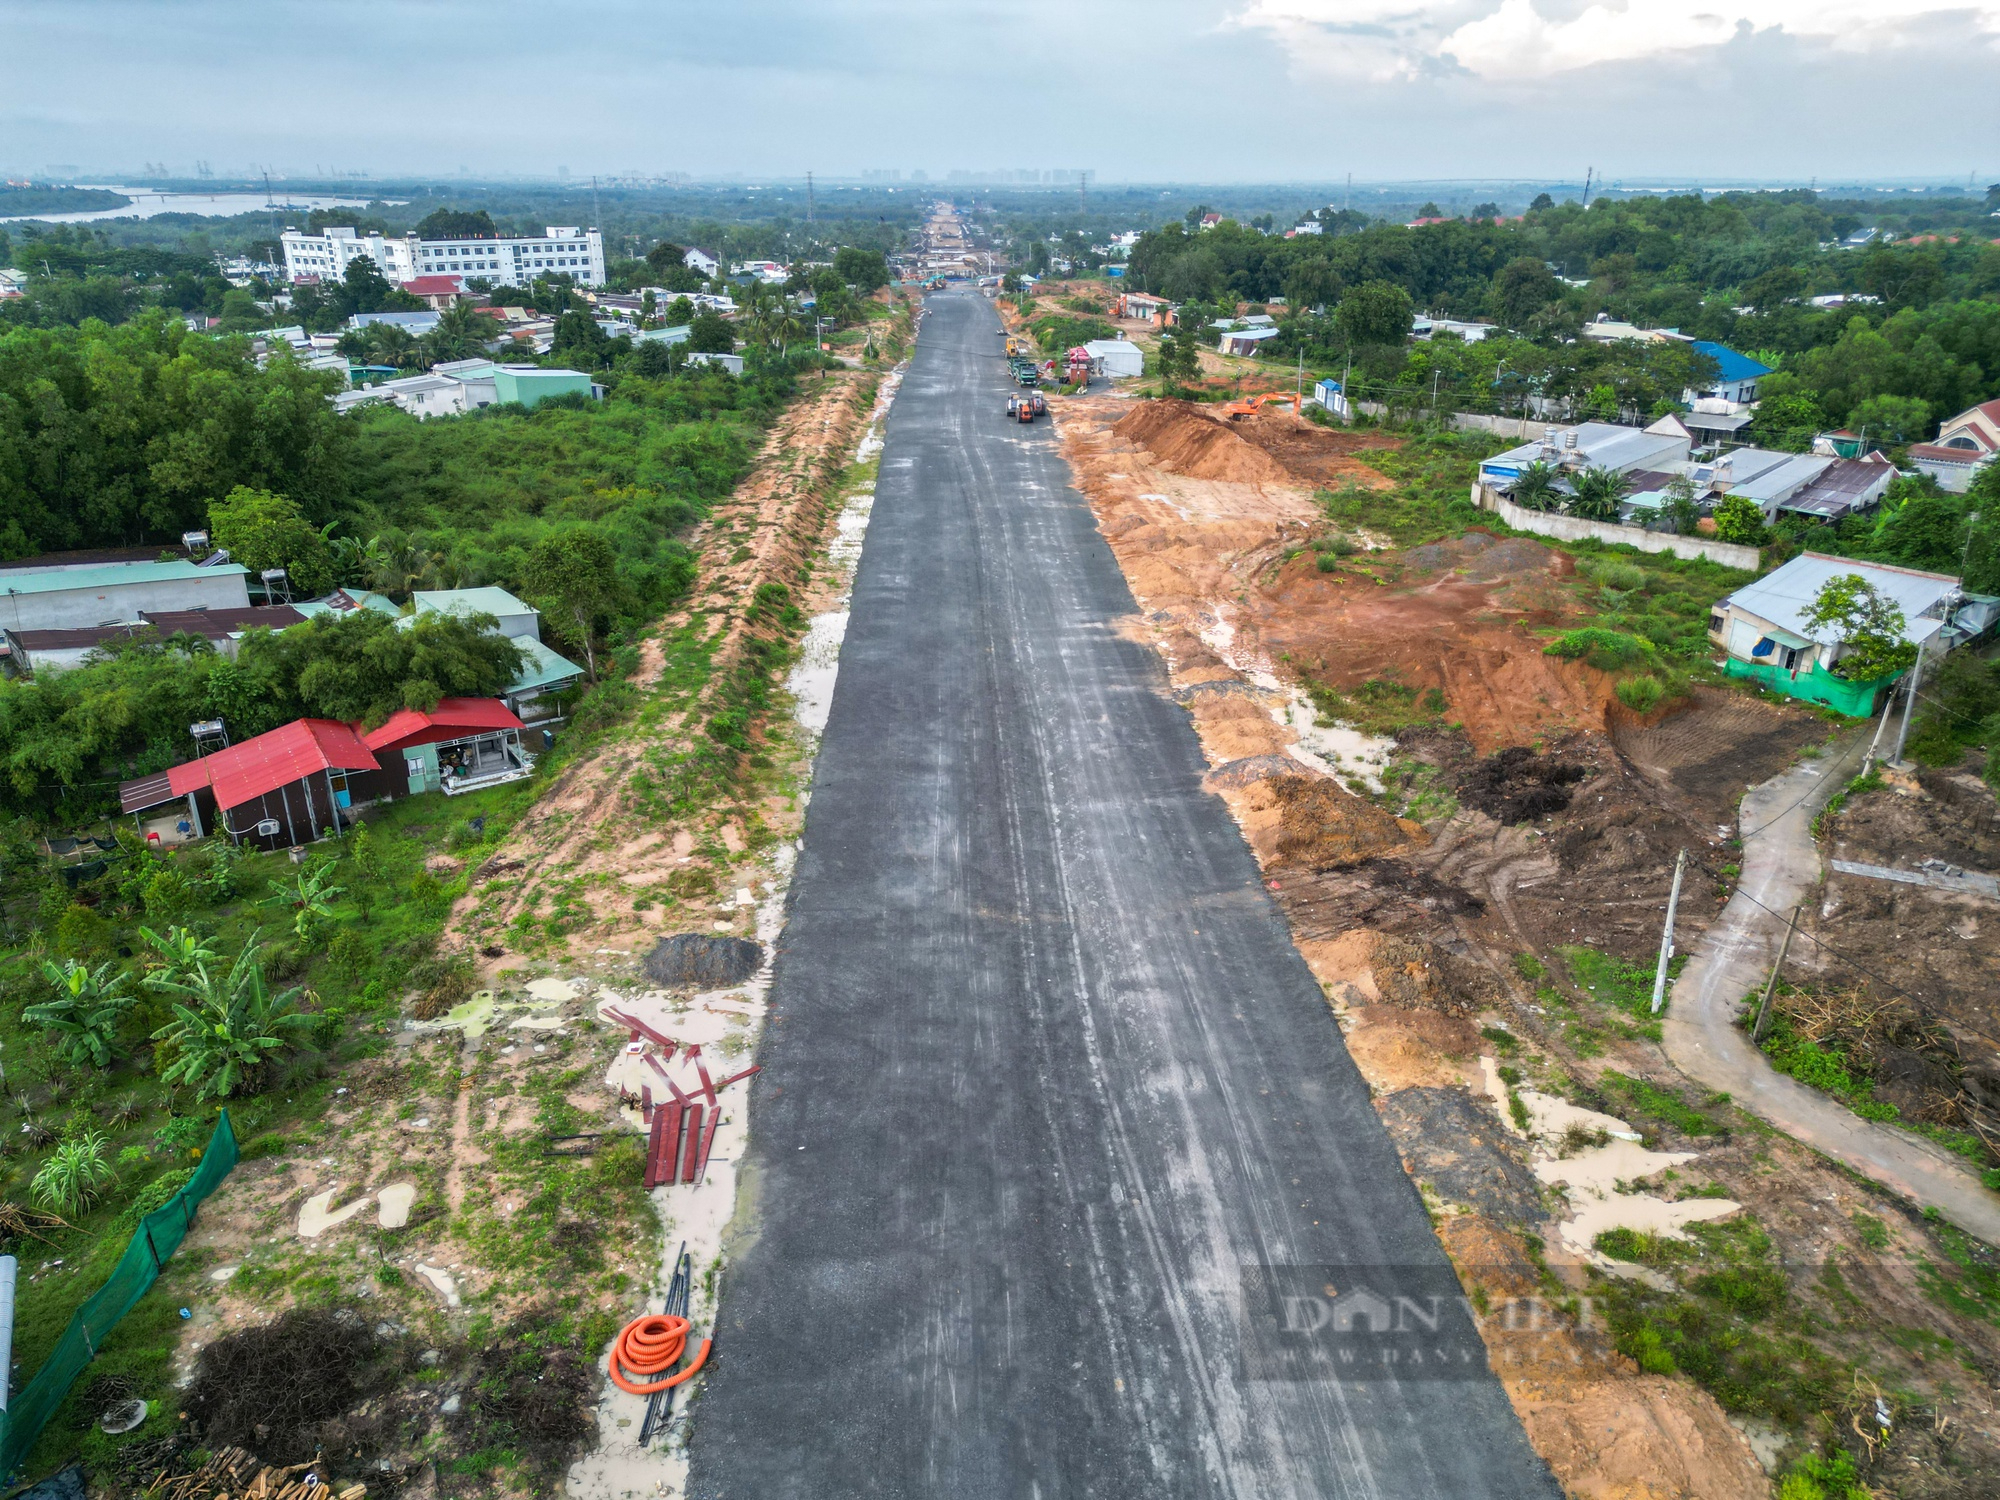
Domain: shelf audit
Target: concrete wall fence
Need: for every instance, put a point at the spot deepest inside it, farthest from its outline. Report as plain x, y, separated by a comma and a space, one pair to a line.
1573, 529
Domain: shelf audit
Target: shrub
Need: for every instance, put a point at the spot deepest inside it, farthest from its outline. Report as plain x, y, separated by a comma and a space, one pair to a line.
1607, 650
155, 1194
83, 1014
169, 895
1621, 576
74, 1174
1640, 694
81, 933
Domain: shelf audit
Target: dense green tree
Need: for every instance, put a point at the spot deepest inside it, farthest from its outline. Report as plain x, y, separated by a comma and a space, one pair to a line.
1926, 531
116, 436
864, 270
364, 666
579, 341
456, 224
1890, 420
1848, 609
1740, 519
263, 530
1376, 312
710, 333
1789, 423
1524, 289
1180, 358
572, 577
1312, 284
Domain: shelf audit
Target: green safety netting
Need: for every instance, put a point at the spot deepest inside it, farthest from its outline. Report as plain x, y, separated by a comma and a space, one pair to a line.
159, 1235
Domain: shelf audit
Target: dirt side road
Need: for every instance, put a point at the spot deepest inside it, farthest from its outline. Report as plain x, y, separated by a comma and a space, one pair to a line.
1781, 868
1044, 1077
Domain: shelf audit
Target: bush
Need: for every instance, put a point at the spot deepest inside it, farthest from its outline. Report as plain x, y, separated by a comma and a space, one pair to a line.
82, 933
154, 1195
1641, 694
1607, 650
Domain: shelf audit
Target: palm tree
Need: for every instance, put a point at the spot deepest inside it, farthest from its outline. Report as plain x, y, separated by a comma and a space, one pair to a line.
1535, 487
84, 1013
1597, 493
461, 333
226, 1025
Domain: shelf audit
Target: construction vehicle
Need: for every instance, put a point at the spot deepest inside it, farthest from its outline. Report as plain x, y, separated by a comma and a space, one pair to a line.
1255, 404
1026, 408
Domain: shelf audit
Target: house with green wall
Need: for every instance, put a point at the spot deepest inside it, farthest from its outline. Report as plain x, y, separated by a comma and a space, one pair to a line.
1762, 631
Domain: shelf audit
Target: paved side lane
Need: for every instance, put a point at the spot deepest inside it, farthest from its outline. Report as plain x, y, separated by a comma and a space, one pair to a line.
1044, 1073
1781, 869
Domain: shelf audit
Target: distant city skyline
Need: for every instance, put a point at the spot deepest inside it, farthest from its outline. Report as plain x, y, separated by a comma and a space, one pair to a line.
1134, 90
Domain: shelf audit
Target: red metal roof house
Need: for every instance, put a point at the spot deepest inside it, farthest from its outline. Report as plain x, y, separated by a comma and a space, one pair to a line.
275, 790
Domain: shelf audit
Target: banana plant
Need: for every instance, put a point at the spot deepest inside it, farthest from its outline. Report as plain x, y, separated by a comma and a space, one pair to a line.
226, 1023
82, 1016
180, 948
311, 896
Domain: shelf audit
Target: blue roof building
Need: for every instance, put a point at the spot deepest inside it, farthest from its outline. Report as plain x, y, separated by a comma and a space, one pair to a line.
1739, 373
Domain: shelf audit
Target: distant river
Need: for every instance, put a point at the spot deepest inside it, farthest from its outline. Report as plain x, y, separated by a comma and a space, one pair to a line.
146, 203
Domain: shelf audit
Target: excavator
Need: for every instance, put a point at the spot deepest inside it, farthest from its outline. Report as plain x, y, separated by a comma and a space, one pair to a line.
1255, 404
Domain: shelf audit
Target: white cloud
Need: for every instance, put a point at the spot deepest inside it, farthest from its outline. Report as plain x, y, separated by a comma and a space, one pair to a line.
1520, 39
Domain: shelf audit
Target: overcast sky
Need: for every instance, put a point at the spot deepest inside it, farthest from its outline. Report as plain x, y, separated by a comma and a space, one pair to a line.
1137, 90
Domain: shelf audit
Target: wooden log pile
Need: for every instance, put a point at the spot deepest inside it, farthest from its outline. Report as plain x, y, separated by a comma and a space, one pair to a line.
233, 1474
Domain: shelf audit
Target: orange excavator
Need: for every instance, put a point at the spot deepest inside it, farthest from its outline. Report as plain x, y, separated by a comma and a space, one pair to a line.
1255, 404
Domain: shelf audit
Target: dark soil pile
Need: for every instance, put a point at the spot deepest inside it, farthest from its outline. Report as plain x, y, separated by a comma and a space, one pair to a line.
1485, 558
1460, 1148
284, 1390
535, 1401
1516, 785
703, 960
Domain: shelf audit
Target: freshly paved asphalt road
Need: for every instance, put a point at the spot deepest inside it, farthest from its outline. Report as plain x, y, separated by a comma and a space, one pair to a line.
1781, 869
1044, 1072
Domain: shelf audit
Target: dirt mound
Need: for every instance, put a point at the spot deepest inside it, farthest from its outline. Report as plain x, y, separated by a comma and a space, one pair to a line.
1417, 975
1709, 751
1317, 455
1516, 785
1322, 825
1187, 440
703, 960
1485, 558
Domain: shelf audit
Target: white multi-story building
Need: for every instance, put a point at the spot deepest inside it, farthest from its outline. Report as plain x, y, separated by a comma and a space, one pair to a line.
576, 253
324, 257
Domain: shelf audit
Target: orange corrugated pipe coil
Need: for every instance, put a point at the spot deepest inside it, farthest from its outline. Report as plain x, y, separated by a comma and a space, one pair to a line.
649, 1346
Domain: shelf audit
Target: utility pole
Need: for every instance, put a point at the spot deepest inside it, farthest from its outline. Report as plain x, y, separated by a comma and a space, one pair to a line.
1667, 936
1588, 172
1771, 986
1909, 704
